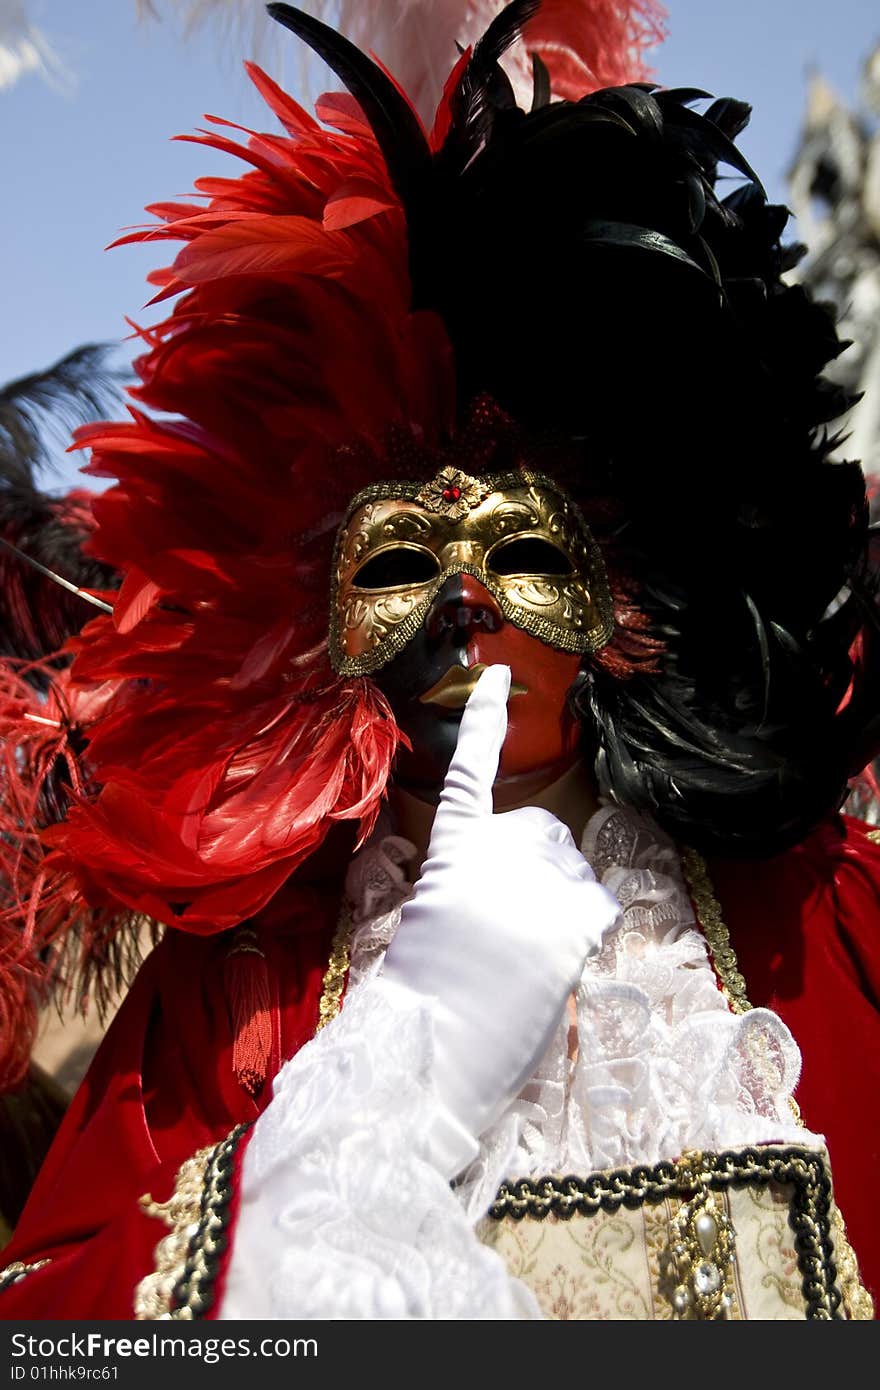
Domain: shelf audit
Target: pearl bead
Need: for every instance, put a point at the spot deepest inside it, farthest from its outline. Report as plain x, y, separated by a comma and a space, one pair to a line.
681, 1299
707, 1232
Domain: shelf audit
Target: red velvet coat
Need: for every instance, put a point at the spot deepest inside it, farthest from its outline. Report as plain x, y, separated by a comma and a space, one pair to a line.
805, 926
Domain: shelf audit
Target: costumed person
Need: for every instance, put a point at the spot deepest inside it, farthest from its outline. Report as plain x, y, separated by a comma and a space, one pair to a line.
495, 643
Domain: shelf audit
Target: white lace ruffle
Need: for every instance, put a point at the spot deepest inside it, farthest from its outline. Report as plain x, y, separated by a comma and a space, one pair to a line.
662, 1064
342, 1214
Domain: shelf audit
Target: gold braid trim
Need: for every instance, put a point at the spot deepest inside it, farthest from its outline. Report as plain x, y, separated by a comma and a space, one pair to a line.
857, 1301
188, 1258
873, 836
20, 1269
733, 985
154, 1294
802, 1173
334, 975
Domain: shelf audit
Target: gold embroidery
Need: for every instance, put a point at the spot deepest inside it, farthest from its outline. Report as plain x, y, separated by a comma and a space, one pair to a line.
701, 1255
187, 1259
20, 1269
334, 975
154, 1294
857, 1301
873, 836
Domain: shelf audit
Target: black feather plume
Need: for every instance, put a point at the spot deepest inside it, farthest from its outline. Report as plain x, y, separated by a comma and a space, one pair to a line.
483, 90
39, 412
394, 123
37, 416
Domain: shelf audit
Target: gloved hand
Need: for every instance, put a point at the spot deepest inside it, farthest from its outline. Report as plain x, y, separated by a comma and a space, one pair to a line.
495, 936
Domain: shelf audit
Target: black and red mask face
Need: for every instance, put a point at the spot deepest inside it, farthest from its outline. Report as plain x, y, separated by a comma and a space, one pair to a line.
428, 683
434, 581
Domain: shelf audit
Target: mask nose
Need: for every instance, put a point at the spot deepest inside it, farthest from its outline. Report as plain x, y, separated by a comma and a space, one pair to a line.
463, 609
461, 552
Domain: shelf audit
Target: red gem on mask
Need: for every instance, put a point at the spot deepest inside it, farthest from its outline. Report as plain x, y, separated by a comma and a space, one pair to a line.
451, 494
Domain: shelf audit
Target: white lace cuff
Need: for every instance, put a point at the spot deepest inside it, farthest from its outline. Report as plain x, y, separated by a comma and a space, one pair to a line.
346, 1209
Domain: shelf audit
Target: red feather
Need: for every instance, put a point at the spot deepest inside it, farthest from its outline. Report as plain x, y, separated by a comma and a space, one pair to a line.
216, 748
266, 246
135, 599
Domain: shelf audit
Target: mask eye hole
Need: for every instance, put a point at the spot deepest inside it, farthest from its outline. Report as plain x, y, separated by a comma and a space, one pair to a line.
399, 567
528, 555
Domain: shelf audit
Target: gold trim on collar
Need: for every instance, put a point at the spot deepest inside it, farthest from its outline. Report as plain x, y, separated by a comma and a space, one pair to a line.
708, 909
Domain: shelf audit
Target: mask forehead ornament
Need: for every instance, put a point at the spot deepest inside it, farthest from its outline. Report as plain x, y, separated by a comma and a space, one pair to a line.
516, 532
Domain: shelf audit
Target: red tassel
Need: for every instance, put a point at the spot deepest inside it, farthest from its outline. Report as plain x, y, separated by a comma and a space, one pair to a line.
246, 981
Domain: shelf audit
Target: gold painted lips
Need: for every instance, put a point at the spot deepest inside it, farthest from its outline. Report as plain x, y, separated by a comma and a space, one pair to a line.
455, 685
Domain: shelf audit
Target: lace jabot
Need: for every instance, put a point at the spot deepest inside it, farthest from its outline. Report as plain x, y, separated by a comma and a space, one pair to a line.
662, 1063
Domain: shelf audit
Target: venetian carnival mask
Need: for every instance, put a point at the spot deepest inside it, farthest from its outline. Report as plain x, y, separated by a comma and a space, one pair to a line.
434, 581
516, 533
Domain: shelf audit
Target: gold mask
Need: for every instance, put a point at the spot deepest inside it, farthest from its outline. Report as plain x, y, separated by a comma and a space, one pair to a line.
517, 533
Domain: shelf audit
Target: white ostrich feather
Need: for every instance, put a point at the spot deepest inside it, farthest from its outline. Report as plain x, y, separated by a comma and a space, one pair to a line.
416, 39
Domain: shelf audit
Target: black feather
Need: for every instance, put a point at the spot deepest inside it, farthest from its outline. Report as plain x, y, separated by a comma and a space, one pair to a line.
730, 116
42, 536
394, 123
684, 95
540, 83
39, 412
706, 139
475, 103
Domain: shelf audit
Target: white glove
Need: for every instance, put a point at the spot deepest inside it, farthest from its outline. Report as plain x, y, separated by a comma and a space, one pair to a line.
495, 936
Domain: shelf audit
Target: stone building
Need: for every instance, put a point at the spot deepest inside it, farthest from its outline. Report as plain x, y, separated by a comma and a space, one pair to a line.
834, 192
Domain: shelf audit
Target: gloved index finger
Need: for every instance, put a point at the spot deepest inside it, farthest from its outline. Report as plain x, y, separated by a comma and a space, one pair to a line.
467, 790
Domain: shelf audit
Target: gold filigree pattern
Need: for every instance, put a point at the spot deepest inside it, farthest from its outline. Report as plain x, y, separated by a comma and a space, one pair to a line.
154, 1295
452, 494
369, 626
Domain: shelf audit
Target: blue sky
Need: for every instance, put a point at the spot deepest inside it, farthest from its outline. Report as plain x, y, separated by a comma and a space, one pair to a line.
79, 163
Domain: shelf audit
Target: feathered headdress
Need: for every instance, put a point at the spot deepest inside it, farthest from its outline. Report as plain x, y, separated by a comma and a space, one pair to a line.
364, 281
